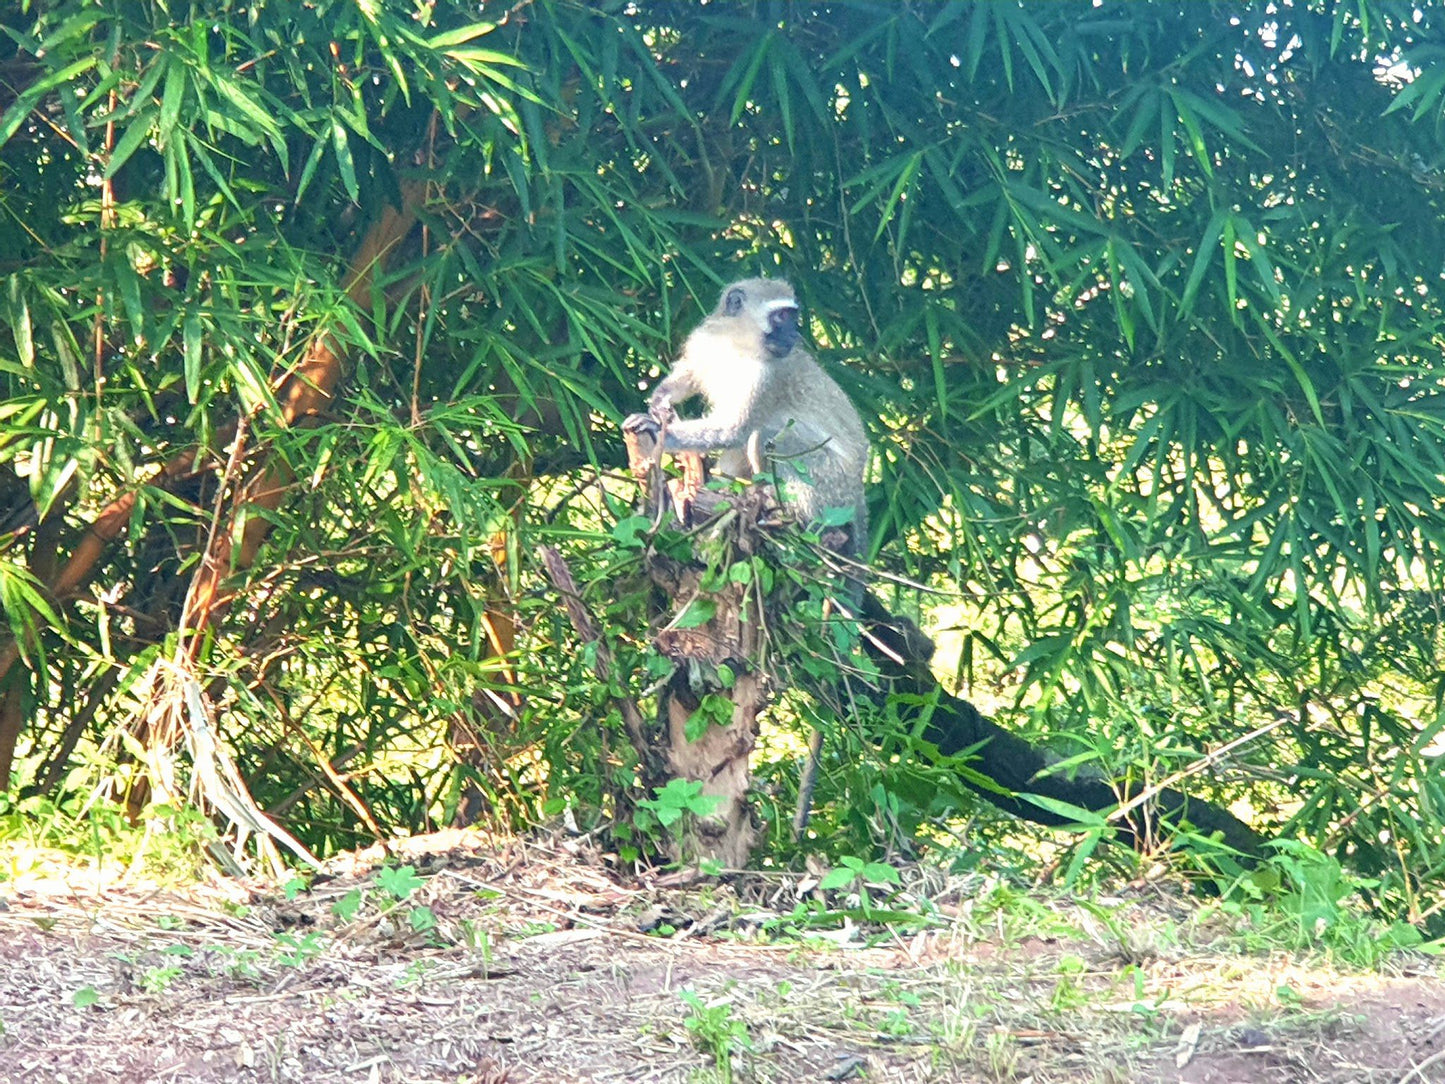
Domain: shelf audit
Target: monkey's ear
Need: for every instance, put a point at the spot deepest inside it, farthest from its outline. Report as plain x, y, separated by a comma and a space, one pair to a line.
733, 303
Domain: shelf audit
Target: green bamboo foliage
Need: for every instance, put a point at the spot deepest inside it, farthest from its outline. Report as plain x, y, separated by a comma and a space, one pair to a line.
1144, 298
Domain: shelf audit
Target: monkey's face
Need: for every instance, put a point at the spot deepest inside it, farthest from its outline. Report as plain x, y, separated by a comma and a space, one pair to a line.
763, 307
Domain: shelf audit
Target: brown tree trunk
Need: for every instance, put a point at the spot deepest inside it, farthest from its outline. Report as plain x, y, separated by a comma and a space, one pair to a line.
480, 741
305, 393
697, 745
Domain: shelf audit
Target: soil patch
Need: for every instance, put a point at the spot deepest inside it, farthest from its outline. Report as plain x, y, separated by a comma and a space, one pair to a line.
481, 962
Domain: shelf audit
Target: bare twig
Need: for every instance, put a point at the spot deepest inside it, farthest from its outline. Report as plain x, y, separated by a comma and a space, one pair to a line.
566, 585
806, 782
1208, 759
1419, 1070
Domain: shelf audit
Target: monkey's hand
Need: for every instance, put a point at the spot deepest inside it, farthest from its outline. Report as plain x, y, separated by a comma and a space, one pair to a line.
660, 407
644, 424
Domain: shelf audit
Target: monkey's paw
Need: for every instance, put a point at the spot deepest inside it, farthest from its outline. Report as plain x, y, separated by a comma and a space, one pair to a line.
660, 407
645, 424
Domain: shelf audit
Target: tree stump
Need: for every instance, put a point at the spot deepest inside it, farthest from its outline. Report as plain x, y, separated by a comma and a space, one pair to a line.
708, 708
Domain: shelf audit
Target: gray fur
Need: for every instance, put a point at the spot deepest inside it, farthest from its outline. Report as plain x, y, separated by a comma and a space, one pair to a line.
763, 388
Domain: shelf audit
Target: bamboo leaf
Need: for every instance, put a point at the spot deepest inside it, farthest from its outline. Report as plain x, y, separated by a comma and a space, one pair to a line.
341, 147
191, 334
935, 353
750, 65
1203, 257
901, 187
1231, 275
130, 141
14, 117
1144, 117
461, 35
172, 98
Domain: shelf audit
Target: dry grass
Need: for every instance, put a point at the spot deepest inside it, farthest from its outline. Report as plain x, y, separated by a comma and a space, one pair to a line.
524, 961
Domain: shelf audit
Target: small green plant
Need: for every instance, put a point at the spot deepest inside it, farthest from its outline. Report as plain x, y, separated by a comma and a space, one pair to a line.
715, 710
679, 796
523, 930
896, 1023
1069, 993
347, 907
84, 997
716, 1032
398, 882
851, 872
1001, 1050
1148, 1009
415, 972
156, 980
293, 951
1303, 897
239, 963
892, 991
422, 919
477, 939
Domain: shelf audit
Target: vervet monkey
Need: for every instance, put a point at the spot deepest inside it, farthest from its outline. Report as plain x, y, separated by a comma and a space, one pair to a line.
763, 388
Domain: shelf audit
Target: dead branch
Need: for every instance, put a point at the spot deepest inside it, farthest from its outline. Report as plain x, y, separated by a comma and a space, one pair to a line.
586, 628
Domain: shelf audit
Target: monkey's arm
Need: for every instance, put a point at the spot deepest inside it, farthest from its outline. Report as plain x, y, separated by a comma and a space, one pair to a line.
718, 429
691, 434
678, 386
706, 434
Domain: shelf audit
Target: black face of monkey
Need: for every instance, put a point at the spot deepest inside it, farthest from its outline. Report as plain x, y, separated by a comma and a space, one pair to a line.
782, 334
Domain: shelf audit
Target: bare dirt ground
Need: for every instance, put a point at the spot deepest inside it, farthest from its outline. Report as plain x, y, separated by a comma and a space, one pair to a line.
529, 962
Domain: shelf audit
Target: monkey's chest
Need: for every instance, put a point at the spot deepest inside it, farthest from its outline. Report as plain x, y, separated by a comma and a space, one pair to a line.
738, 390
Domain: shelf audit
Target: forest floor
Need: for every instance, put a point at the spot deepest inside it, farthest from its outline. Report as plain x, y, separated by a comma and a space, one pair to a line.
463, 960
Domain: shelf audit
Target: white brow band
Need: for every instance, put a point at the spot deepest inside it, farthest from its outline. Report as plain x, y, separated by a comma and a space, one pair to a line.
770, 307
